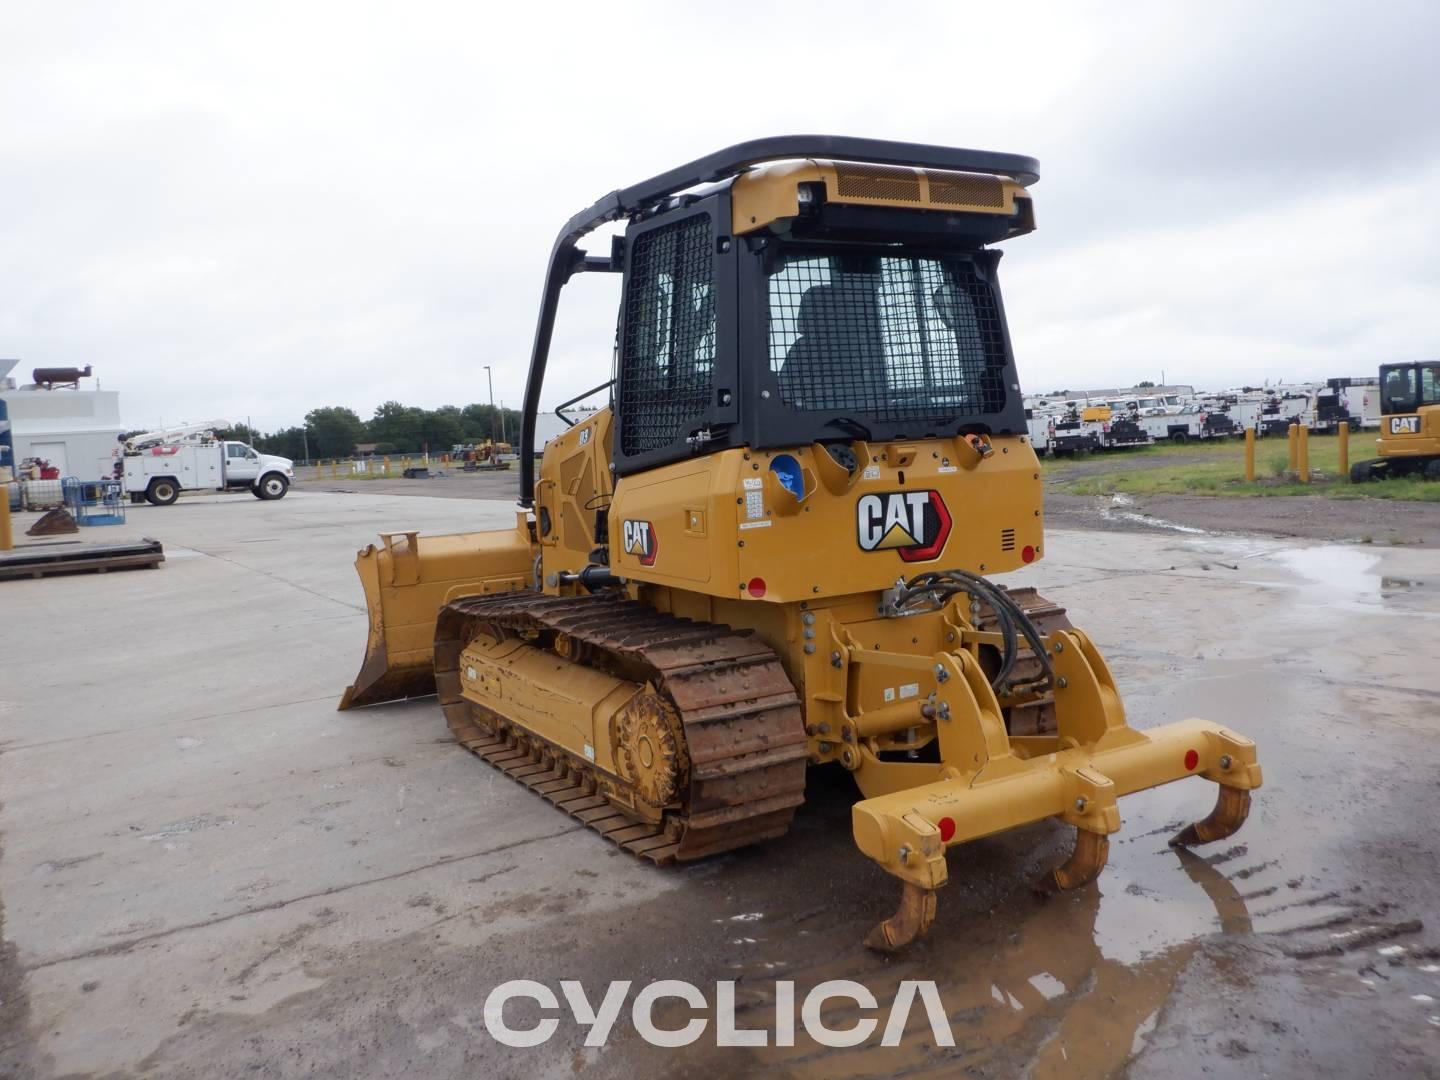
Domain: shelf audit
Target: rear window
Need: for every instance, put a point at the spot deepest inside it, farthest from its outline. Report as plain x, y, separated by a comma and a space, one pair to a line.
889, 336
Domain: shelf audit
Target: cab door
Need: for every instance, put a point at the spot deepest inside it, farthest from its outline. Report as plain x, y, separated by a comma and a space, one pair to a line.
242, 465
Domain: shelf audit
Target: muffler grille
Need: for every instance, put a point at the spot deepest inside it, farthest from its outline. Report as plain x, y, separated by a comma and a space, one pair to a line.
1007, 539
966, 190
877, 182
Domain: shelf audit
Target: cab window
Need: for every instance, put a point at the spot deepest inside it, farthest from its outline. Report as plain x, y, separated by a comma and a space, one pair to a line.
235, 450
1430, 385
1398, 392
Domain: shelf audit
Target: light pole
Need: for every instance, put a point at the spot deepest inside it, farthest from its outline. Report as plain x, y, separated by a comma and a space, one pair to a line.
501, 414
491, 381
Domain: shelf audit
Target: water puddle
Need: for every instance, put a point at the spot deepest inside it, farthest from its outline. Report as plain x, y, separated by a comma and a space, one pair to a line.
1332, 576
1117, 511
1347, 578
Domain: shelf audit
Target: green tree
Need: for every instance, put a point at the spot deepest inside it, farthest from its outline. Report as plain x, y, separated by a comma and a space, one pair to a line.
289, 442
334, 431
238, 433
441, 429
398, 424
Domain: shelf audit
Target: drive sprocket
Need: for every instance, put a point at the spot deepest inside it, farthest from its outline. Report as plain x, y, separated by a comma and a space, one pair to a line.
650, 748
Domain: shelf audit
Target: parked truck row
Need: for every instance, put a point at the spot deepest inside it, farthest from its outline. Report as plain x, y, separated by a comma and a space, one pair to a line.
1069, 424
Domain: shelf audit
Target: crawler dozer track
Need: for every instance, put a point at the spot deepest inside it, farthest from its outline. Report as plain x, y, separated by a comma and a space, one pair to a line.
743, 736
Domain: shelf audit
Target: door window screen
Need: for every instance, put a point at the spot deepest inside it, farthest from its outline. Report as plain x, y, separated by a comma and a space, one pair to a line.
667, 359
1399, 390
894, 337
1430, 385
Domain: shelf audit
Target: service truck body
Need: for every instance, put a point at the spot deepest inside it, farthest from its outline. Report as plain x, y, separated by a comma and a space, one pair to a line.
161, 472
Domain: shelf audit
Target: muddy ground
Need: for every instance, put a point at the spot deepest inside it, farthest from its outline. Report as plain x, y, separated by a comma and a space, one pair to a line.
1306, 517
207, 871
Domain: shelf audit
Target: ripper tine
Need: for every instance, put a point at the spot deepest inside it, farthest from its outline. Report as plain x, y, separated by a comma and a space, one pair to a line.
1092, 851
911, 919
1231, 809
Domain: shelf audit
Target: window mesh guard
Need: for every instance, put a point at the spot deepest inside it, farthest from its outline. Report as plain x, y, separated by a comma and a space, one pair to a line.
668, 359
894, 338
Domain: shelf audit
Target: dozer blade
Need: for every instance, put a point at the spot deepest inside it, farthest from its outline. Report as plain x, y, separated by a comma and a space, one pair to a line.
57, 522
407, 580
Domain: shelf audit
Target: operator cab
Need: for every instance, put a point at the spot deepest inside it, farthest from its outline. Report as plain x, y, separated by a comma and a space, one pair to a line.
816, 301
799, 290
1404, 388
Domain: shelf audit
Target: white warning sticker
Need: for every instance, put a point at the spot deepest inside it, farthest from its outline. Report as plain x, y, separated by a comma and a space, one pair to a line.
889, 693
872, 472
754, 483
754, 504
909, 690
755, 524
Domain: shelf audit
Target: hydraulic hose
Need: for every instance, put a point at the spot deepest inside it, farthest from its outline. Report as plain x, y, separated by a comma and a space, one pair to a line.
940, 585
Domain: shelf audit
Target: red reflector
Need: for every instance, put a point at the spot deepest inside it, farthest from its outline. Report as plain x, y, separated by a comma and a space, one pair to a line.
1191, 759
947, 828
756, 588
1027, 553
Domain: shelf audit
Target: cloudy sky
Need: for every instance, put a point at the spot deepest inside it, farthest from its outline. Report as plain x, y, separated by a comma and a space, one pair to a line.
253, 209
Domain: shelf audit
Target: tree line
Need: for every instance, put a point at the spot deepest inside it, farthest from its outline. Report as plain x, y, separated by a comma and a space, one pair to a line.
336, 431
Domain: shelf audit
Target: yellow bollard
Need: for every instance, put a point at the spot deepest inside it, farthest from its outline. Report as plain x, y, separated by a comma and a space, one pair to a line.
335, 470
1302, 442
1249, 455
319, 471
1292, 434
1344, 434
7, 538
387, 467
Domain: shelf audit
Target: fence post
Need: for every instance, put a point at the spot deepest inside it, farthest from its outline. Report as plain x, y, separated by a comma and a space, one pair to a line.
1249, 455
1344, 434
1303, 453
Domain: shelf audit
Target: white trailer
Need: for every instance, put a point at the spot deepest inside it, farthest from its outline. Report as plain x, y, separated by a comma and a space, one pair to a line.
1364, 404
159, 465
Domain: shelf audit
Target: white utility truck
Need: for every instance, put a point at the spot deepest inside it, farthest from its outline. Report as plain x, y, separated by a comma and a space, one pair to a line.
158, 465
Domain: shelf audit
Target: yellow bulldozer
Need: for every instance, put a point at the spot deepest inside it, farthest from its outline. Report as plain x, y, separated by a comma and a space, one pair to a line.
772, 549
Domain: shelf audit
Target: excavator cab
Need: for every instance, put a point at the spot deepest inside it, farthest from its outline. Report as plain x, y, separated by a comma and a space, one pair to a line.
1409, 442
773, 548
